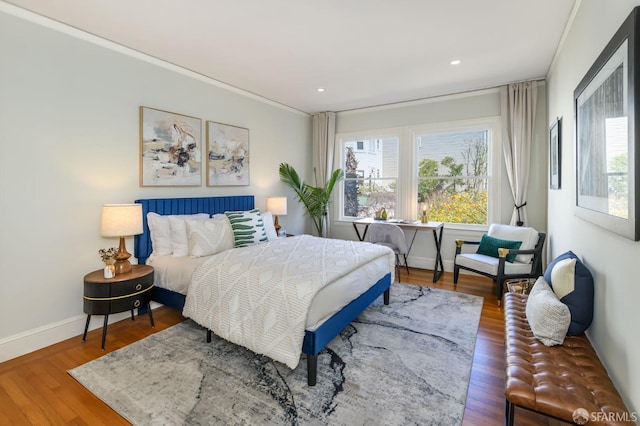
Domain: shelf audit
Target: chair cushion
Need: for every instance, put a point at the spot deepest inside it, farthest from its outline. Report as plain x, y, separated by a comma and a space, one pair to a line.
489, 265
489, 246
528, 236
572, 281
548, 317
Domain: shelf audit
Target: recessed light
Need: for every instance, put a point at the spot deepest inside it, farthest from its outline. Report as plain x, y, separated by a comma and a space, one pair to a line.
456, 62
320, 89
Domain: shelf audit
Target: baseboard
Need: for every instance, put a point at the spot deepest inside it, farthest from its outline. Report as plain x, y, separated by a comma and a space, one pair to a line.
41, 337
428, 263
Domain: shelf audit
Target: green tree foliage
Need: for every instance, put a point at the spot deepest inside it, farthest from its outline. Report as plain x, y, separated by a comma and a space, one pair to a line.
619, 176
453, 197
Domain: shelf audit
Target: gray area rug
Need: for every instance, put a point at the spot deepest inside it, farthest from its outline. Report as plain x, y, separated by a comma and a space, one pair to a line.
405, 363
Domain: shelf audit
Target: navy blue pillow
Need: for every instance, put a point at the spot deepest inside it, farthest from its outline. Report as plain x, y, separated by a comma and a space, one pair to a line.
580, 300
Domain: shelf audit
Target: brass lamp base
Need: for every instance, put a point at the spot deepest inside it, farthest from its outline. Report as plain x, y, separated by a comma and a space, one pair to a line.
276, 225
122, 264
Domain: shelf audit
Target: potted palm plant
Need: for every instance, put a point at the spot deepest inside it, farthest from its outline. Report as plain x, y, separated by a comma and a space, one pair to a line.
315, 198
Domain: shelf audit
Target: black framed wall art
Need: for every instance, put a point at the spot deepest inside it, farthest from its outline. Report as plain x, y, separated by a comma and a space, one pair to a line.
607, 114
555, 154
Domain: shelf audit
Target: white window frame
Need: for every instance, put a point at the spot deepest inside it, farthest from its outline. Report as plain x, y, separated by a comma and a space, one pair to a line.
338, 199
407, 182
494, 162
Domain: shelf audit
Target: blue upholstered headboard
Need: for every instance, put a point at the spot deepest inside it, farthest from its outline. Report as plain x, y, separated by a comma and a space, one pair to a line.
167, 206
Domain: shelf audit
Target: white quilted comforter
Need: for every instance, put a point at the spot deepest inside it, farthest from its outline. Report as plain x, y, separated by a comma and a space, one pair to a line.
259, 296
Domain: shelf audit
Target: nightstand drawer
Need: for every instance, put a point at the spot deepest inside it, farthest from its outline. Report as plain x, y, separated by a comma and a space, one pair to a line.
97, 306
132, 286
129, 303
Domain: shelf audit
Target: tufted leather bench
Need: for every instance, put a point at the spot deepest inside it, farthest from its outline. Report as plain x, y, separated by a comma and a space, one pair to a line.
556, 380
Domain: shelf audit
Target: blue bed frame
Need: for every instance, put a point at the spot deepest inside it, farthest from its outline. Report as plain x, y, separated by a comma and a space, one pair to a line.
314, 341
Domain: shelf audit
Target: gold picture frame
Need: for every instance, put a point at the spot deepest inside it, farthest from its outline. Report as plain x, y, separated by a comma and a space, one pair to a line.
170, 148
227, 155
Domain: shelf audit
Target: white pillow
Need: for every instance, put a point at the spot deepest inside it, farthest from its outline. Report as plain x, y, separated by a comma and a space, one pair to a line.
179, 237
528, 236
548, 317
208, 237
160, 233
269, 227
563, 277
248, 227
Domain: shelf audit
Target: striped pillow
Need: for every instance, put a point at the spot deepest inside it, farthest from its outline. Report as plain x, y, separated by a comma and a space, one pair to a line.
248, 227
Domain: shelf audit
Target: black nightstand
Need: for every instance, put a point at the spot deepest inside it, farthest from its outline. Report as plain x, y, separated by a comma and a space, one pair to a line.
124, 292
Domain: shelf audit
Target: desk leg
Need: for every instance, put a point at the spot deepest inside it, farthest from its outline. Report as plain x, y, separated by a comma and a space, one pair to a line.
438, 267
104, 330
364, 234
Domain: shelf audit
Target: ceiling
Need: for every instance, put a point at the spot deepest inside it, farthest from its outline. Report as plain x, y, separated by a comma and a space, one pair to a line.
362, 52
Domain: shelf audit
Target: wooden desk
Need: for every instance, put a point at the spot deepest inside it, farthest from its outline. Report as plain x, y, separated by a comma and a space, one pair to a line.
435, 227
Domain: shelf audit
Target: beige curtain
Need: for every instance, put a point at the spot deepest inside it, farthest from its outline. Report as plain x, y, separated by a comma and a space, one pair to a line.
518, 119
324, 139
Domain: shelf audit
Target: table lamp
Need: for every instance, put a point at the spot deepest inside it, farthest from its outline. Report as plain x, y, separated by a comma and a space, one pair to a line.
278, 207
424, 217
121, 220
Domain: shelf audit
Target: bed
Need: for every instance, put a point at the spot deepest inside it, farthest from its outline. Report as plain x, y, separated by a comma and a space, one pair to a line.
315, 338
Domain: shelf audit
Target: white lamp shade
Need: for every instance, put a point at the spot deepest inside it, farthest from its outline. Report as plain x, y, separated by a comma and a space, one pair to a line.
121, 220
277, 205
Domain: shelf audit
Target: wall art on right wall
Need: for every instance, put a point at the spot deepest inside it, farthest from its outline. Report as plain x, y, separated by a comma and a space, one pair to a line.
555, 154
607, 114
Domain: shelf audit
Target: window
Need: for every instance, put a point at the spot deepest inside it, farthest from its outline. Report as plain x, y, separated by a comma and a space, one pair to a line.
452, 169
452, 176
371, 173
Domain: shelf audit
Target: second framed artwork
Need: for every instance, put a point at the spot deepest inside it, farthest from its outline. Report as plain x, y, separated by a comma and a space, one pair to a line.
555, 154
227, 155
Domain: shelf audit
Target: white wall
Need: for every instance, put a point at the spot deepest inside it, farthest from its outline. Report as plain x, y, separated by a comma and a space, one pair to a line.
69, 140
466, 106
611, 258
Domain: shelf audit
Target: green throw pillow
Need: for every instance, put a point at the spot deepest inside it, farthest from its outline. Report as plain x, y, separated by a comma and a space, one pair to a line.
248, 227
489, 246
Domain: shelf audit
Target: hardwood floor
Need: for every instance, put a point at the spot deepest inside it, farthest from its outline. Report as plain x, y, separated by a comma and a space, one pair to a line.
35, 389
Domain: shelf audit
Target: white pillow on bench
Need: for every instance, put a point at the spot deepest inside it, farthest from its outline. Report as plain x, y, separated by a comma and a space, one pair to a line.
548, 317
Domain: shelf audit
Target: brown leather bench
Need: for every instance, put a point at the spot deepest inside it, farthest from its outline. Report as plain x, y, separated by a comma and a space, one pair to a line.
556, 380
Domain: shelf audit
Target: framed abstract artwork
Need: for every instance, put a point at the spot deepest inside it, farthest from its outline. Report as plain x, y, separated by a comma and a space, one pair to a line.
170, 149
555, 154
227, 155
607, 114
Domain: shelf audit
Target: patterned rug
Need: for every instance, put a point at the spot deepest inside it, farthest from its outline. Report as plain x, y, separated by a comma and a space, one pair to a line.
405, 363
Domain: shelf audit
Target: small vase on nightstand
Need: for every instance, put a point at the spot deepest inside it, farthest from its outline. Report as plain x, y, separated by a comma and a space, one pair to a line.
108, 256
109, 269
